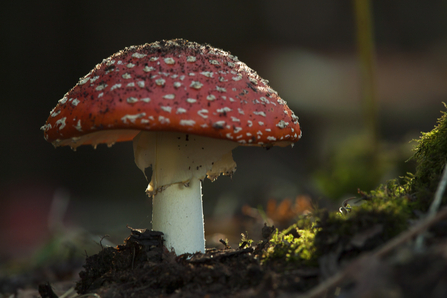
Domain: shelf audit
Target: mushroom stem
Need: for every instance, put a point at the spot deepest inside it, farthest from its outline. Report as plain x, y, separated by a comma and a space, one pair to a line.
177, 211
179, 162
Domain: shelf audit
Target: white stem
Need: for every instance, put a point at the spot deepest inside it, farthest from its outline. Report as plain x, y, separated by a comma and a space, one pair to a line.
179, 159
177, 212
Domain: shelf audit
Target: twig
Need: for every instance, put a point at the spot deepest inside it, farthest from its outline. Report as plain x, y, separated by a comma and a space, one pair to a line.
353, 268
434, 206
439, 193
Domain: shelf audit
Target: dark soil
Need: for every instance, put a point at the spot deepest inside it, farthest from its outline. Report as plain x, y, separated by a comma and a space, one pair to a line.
143, 268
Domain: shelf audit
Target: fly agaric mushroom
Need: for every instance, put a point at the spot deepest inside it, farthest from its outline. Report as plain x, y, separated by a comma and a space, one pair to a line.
185, 106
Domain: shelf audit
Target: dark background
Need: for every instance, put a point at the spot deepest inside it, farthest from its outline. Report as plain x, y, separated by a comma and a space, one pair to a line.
306, 49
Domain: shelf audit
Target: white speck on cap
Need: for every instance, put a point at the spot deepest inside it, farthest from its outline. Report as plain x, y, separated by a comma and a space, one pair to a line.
169, 60
100, 87
187, 122
132, 99
202, 112
208, 74
196, 85
94, 79
83, 81
166, 109
191, 100
75, 102
191, 59
169, 96
132, 118
181, 111
224, 110
115, 86
160, 82
78, 126
163, 120
148, 68
253, 81
281, 101
261, 113
282, 124
219, 124
138, 55
221, 89
61, 123
55, 113
210, 97
126, 76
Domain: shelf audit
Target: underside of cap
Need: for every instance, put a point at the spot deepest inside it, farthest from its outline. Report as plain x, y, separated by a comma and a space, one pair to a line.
176, 158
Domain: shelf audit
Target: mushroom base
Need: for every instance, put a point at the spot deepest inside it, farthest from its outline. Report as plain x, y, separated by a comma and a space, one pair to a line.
177, 212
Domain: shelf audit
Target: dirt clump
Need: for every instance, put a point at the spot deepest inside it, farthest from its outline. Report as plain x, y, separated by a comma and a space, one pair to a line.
142, 267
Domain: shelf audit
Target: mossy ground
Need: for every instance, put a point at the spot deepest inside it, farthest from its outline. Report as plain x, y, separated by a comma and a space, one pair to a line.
332, 239
319, 245
292, 261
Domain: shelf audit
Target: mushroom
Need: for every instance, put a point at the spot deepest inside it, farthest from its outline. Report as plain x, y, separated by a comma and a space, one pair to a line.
185, 106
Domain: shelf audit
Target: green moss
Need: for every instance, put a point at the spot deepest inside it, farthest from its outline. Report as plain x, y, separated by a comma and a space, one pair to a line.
294, 244
431, 157
382, 216
378, 216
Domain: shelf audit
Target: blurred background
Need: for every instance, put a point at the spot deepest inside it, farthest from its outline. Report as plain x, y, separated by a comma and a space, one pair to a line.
306, 49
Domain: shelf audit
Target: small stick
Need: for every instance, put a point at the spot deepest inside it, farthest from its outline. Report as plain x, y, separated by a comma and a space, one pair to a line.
439, 193
434, 206
352, 268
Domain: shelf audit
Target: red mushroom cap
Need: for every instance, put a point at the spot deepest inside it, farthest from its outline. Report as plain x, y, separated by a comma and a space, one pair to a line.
172, 85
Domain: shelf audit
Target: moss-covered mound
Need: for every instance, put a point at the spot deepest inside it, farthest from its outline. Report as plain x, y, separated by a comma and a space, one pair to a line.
431, 157
378, 216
